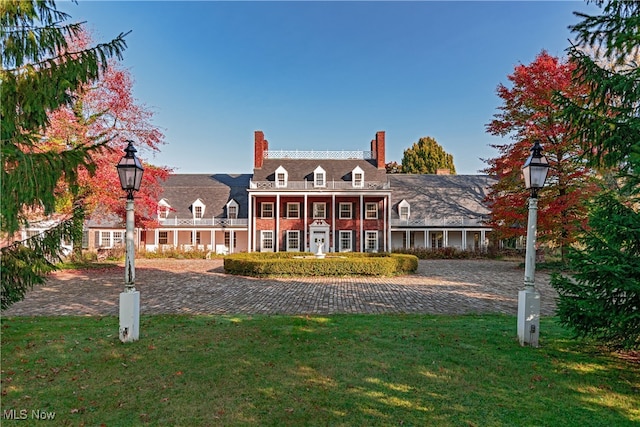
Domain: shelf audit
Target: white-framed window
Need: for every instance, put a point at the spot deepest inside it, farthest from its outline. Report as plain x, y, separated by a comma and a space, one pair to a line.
293, 240
266, 210
267, 243
371, 210
118, 238
281, 177
404, 210
345, 241
293, 210
232, 209
163, 209
319, 210
344, 210
319, 177
197, 209
371, 241
197, 242
357, 177
227, 239
105, 239
163, 237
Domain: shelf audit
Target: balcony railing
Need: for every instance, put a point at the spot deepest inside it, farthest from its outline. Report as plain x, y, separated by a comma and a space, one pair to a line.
451, 221
222, 222
309, 185
312, 154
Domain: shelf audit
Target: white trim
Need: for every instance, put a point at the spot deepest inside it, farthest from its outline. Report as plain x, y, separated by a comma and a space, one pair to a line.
262, 205
324, 210
340, 234
281, 171
288, 204
290, 233
319, 178
367, 235
340, 205
355, 181
264, 235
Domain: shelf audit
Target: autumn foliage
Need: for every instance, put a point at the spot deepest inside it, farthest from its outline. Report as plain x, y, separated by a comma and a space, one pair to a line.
530, 113
105, 113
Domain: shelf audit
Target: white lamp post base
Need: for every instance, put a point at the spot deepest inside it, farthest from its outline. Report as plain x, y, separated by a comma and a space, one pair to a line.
129, 316
529, 317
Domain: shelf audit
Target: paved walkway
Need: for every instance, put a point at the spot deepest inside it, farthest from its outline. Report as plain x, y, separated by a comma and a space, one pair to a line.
201, 287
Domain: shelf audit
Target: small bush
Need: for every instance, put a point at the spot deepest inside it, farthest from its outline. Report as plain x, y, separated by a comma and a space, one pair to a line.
293, 264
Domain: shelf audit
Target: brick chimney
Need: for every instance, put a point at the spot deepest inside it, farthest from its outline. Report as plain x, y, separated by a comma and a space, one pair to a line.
379, 149
260, 146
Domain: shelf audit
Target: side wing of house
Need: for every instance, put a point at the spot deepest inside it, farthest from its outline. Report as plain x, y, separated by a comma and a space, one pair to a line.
435, 211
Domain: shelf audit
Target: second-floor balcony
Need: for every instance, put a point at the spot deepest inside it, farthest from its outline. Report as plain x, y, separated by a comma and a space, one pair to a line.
310, 186
221, 222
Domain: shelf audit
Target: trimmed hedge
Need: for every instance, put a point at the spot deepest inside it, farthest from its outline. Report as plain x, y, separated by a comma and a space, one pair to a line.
339, 264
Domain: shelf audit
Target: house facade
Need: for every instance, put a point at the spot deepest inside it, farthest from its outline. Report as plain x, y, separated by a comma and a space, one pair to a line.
333, 201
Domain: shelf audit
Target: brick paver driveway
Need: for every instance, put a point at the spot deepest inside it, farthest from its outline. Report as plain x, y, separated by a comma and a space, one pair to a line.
202, 287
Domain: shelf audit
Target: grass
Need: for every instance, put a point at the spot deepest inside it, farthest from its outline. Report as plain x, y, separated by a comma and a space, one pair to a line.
342, 370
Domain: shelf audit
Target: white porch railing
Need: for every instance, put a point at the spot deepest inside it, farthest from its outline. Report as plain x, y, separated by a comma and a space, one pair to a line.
452, 221
222, 222
309, 185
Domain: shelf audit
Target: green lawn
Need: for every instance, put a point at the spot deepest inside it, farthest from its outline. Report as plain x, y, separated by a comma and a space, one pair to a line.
342, 370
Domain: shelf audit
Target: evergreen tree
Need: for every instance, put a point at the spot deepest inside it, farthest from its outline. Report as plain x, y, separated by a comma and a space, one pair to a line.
39, 74
427, 156
601, 298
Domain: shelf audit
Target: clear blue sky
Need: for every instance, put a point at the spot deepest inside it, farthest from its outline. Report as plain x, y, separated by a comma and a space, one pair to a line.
324, 75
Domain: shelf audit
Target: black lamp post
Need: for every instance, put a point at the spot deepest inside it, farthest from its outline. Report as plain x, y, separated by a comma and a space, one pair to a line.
535, 171
130, 172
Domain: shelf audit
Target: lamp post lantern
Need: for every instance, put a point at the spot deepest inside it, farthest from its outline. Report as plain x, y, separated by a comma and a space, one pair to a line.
130, 172
535, 171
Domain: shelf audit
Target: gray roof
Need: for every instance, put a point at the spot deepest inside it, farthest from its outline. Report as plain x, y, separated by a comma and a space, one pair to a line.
438, 196
215, 191
302, 169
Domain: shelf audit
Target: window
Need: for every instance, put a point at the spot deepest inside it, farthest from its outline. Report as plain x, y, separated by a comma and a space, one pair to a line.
404, 210
281, 177
293, 240
371, 241
118, 238
357, 177
319, 210
197, 237
293, 210
371, 211
85, 239
266, 239
345, 211
232, 212
163, 237
163, 209
267, 209
227, 239
197, 211
345, 241
105, 239
319, 177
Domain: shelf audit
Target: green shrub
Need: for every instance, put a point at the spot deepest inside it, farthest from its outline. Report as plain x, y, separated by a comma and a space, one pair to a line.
293, 264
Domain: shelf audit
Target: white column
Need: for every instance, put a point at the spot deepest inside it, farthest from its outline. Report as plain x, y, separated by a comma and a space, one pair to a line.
232, 235
361, 225
276, 238
464, 239
249, 224
305, 213
445, 238
384, 224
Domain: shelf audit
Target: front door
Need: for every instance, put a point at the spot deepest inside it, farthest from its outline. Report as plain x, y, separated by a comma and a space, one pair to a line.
319, 239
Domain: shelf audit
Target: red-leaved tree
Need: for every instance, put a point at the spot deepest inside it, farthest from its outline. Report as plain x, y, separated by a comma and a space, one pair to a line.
529, 113
106, 114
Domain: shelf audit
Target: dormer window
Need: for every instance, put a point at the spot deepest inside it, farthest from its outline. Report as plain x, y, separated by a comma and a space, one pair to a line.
281, 177
163, 209
404, 210
197, 208
232, 209
357, 177
319, 177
